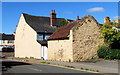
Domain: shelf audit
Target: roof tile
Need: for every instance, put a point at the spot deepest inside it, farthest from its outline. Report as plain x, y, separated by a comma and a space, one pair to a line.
63, 31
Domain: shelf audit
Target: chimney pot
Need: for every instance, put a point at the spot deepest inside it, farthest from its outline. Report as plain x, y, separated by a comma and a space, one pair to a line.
52, 11
106, 19
77, 18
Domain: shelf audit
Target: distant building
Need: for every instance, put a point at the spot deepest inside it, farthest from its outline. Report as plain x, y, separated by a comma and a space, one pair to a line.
6, 41
107, 19
117, 20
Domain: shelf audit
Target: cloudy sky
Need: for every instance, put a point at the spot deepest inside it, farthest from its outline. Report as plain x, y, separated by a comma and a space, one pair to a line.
11, 11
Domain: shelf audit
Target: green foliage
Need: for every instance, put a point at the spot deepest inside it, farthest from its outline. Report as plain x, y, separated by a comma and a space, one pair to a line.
26, 57
70, 66
108, 53
31, 57
44, 62
61, 23
69, 60
102, 52
111, 36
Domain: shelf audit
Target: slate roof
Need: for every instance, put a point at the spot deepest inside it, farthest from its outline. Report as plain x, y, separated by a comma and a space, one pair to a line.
41, 24
64, 31
7, 37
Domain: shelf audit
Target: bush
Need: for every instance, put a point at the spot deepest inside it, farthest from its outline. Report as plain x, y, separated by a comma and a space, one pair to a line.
102, 52
108, 53
61, 23
111, 34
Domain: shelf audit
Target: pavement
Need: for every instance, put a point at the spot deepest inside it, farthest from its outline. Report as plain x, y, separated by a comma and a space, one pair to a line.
99, 65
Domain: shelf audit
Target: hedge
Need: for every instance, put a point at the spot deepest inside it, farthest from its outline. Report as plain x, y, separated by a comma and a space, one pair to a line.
108, 53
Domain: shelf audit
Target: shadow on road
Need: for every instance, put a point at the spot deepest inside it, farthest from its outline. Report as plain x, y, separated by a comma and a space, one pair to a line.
8, 64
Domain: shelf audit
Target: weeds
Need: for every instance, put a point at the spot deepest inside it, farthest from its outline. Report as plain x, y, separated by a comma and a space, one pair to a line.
31, 57
26, 57
70, 66
97, 70
89, 69
44, 62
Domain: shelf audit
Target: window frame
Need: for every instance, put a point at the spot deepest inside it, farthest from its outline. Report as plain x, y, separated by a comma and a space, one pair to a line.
3, 41
10, 41
44, 36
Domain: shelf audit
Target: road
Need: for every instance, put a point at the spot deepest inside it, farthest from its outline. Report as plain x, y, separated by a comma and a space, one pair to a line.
22, 67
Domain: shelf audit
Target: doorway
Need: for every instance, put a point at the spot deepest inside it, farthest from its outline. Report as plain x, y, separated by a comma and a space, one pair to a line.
44, 52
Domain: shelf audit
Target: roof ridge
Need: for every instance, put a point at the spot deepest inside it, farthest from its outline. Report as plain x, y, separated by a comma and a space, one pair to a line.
35, 16
84, 18
89, 16
5, 34
41, 16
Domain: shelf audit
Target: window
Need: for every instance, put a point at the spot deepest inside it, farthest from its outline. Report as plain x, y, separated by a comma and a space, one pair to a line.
3, 41
47, 36
10, 41
39, 36
43, 36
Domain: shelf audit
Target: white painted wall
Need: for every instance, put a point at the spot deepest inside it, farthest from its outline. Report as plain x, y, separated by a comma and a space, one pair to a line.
25, 41
60, 50
5, 44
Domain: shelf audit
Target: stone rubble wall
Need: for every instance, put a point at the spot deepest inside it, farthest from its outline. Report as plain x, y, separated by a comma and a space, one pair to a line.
86, 40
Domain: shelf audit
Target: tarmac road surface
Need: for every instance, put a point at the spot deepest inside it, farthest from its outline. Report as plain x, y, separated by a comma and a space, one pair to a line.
12, 67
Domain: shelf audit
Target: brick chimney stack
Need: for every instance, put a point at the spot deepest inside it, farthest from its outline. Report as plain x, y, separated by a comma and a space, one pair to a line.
53, 18
106, 19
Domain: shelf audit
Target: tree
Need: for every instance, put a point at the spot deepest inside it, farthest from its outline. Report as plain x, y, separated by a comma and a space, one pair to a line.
61, 23
111, 34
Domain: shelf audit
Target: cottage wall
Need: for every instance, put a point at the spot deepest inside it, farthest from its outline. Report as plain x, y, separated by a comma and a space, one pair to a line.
60, 50
86, 40
25, 41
